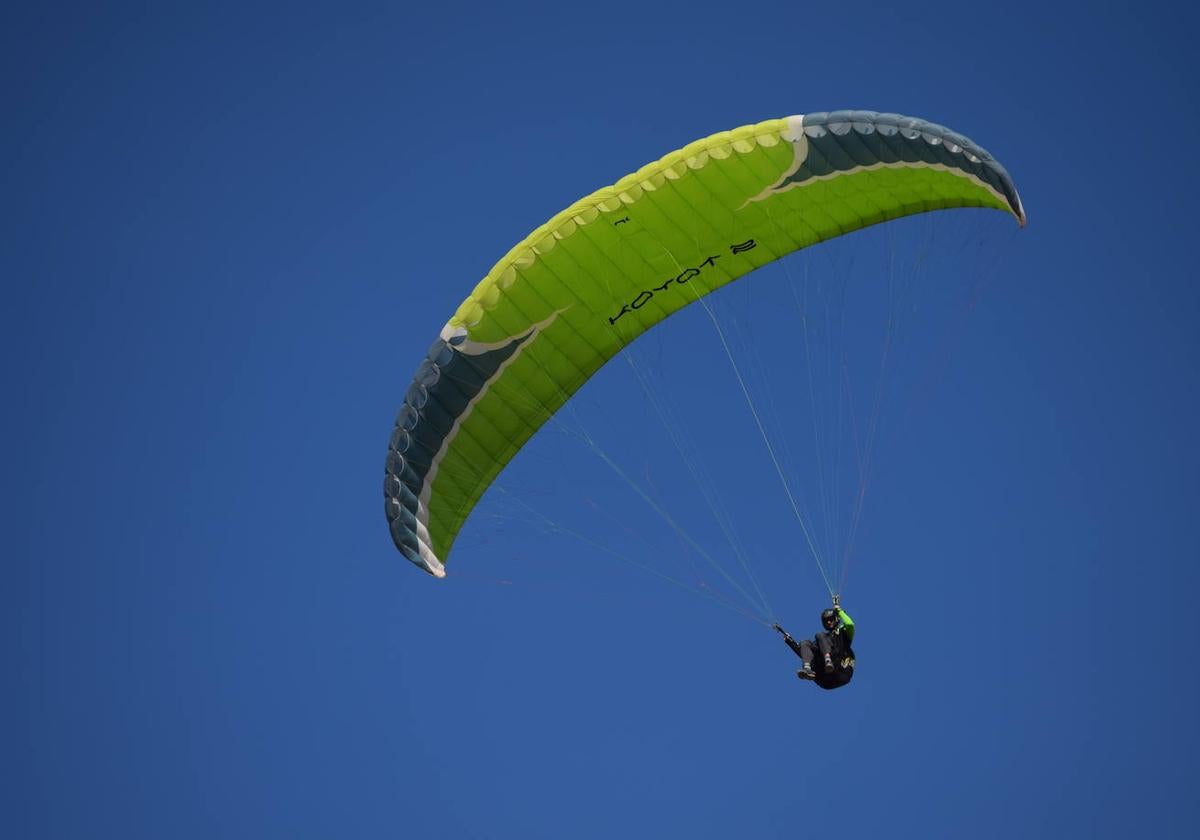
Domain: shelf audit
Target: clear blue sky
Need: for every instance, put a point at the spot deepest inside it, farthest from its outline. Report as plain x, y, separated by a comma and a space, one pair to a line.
230, 234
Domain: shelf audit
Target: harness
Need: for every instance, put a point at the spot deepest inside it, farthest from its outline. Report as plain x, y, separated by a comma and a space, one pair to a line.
847, 660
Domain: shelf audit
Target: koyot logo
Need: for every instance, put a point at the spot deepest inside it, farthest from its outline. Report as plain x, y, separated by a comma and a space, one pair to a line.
646, 295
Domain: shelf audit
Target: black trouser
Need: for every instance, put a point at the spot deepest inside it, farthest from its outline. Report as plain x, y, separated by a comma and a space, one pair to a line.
820, 643
806, 649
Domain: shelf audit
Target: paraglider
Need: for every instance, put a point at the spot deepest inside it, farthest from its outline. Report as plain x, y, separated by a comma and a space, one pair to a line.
835, 667
583, 285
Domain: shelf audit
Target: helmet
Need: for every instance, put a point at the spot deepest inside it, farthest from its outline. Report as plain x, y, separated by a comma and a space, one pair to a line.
829, 618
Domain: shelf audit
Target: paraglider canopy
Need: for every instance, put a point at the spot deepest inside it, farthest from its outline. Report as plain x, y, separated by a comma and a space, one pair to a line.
579, 288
